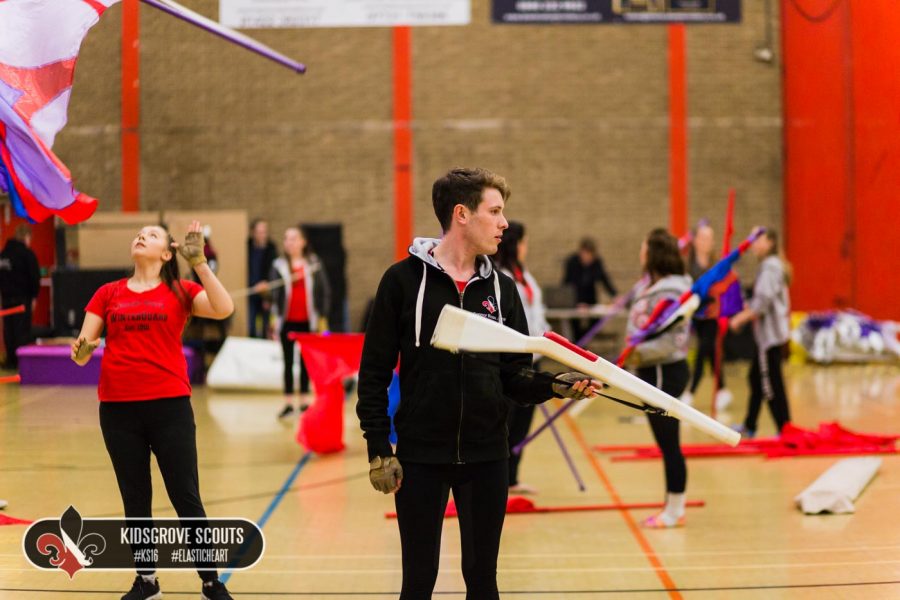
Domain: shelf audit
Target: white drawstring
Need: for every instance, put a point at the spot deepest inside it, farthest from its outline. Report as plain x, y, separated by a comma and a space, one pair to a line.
497, 294
419, 299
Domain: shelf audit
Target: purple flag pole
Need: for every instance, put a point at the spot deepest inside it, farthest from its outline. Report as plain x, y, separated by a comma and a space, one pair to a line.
562, 447
619, 305
185, 14
624, 301
517, 449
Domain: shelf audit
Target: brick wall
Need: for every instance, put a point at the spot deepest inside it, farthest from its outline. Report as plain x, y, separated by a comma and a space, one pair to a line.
576, 117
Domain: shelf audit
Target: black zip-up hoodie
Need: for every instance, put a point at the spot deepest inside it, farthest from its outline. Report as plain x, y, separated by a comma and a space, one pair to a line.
453, 407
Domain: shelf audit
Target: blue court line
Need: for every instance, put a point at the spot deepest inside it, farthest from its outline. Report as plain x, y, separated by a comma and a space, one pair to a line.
276, 501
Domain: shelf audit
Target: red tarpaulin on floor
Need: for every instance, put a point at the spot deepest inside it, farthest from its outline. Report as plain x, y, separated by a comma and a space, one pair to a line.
831, 439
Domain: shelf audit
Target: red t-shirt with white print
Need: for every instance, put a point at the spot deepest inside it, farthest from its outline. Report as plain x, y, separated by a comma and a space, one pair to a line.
143, 358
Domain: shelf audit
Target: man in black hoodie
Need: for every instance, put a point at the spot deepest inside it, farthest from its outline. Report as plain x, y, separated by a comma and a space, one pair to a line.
20, 281
451, 422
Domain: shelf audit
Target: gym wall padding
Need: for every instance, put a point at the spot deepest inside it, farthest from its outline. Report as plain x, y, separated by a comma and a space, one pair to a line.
842, 156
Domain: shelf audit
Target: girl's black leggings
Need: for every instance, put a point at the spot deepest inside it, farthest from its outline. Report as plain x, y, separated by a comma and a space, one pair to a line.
287, 346
672, 378
131, 431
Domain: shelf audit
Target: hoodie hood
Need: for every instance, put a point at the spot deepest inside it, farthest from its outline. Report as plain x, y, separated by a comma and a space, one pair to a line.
670, 283
423, 249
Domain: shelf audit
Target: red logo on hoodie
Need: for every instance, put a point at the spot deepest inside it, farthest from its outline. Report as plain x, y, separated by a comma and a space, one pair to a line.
489, 304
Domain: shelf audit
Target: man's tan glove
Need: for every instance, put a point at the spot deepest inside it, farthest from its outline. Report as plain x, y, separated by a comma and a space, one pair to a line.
567, 386
192, 248
386, 474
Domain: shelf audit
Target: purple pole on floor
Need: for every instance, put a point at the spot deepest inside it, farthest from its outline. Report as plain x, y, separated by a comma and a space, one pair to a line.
176, 10
562, 447
517, 449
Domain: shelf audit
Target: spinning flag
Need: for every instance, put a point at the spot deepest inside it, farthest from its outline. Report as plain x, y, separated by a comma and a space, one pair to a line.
39, 43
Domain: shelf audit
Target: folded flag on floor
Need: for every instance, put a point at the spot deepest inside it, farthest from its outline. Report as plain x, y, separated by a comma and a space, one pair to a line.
831, 439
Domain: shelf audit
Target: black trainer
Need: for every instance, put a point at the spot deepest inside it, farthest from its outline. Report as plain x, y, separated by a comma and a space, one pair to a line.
287, 411
143, 590
214, 590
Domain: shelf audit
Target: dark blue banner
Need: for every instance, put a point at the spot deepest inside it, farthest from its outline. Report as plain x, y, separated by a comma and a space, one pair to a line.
524, 12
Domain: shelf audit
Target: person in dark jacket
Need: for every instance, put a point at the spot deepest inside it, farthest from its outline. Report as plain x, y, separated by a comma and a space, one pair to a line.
451, 422
584, 270
20, 282
261, 253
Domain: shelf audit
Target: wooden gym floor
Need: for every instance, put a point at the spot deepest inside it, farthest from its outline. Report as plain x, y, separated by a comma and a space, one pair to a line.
328, 538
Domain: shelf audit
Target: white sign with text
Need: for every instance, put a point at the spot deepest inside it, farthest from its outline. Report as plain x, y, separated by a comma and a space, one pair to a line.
250, 14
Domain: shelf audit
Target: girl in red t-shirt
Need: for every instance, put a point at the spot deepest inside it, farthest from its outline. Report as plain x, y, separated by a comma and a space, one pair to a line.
300, 305
144, 392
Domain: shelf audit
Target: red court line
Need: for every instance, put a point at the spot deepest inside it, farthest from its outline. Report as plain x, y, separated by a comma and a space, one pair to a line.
647, 549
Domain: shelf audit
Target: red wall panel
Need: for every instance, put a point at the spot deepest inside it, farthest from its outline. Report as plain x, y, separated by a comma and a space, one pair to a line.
842, 153
876, 81
816, 174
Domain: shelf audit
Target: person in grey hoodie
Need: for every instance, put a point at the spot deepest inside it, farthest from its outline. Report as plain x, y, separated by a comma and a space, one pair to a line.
769, 309
661, 362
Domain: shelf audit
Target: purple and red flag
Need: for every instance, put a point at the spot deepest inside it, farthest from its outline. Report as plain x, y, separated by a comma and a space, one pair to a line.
669, 312
39, 43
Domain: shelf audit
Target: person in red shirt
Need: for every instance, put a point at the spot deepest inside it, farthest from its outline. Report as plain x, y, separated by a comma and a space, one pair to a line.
300, 306
144, 391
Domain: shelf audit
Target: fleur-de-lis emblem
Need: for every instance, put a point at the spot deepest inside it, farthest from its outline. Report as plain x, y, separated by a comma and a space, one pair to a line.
71, 551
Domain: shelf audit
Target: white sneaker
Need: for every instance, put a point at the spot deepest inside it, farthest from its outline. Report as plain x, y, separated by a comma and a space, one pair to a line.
3, 504
687, 398
723, 399
523, 488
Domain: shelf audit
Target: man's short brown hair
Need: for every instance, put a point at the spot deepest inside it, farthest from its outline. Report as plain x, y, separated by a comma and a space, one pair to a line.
463, 186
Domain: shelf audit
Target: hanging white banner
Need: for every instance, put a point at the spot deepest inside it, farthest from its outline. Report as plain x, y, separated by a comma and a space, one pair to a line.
249, 14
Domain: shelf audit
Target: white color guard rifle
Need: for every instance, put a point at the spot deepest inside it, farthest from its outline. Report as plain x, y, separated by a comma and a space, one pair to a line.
458, 330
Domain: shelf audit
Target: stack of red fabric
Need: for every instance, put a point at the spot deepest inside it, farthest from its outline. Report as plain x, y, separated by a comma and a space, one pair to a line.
831, 439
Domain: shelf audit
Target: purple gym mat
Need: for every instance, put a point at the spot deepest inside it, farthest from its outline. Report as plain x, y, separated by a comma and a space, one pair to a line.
51, 365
